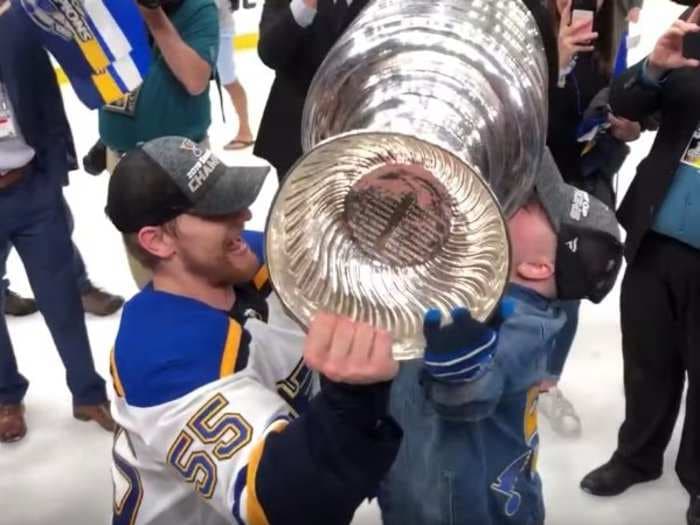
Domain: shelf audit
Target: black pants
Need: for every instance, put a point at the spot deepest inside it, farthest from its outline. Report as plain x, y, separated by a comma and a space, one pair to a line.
660, 315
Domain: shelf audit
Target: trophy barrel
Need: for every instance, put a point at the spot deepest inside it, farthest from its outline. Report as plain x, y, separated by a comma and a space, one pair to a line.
423, 131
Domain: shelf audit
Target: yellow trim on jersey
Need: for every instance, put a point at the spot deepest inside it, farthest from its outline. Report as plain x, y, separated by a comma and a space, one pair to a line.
118, 387
261, 277
94, 54
108, 88
240, 42
230, 355
531, 423
254, 510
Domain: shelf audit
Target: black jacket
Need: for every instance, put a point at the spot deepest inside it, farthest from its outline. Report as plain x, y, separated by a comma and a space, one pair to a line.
678, 105
294, 53
566, 108
31, 83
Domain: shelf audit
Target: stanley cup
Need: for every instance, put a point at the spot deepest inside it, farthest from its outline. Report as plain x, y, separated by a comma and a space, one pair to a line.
423, 131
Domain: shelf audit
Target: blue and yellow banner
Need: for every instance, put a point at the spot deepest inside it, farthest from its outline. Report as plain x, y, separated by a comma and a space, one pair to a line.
101, 45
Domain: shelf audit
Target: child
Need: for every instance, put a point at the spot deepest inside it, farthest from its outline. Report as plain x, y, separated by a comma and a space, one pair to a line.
468, 411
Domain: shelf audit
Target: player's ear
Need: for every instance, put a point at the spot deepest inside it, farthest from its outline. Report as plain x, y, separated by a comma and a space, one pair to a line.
157, 241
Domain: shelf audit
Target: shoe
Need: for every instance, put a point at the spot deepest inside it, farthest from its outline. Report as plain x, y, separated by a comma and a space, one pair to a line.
97, 413
19, 306
99, 302
613, 478
12, 424
693, 515
95, 162
560, 413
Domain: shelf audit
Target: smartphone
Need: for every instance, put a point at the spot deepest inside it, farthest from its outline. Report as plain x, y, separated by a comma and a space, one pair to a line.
583, 10
582, 14
691, 46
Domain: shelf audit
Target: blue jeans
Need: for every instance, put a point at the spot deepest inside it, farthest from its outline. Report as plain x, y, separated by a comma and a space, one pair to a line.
33, 220
79, 269
562, 347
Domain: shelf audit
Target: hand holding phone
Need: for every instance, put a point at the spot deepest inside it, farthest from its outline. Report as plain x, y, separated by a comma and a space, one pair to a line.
678, 47
576, 37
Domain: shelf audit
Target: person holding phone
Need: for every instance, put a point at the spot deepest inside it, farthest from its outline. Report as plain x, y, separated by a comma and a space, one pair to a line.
586, 67
660, 295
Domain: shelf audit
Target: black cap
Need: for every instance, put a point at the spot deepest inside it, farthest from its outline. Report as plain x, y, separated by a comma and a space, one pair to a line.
168, 176
589, 247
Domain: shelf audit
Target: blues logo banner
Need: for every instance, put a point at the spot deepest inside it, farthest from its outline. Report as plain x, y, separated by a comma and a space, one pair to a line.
102, 45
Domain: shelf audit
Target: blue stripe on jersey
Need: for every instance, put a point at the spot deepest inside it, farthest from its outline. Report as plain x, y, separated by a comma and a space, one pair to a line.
238, 487
168, 346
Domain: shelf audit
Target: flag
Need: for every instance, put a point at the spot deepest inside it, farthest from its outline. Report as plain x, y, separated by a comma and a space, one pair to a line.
102, 45
621, 57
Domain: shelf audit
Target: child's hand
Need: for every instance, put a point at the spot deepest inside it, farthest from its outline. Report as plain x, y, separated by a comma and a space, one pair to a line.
461, 351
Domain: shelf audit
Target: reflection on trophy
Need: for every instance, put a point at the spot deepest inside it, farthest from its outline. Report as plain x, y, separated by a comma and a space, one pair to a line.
423, 130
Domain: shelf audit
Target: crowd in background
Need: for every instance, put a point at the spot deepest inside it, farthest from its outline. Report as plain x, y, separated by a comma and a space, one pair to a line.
598, 104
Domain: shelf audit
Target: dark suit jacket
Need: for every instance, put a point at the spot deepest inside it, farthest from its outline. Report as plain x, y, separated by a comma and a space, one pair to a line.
678, 104
31, 83
295, 53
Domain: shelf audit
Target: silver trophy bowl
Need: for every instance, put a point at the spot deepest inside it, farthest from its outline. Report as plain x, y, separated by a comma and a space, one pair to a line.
423, 131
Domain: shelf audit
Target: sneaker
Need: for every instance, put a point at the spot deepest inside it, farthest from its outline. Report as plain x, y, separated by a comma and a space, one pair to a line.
98, 302
17, 305
560, 413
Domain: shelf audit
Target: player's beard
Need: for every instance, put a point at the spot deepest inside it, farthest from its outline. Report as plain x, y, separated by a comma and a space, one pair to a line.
222, 269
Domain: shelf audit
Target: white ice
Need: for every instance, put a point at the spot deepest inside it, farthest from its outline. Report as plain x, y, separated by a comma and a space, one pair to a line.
60, 472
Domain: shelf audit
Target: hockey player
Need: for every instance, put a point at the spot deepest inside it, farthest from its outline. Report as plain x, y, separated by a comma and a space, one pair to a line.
217, 424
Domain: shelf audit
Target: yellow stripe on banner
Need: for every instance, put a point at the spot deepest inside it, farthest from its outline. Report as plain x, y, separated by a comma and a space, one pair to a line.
95, 55
107, 86
240, 42
254, 510
246, 41
118, 387
261, 277
233, 343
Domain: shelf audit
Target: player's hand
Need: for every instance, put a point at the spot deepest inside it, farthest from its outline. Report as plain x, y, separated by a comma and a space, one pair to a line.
575, 38
345, 351
462, 350
668, 52
623, 129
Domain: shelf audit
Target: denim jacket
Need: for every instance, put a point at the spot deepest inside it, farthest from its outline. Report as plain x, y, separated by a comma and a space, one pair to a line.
469, 452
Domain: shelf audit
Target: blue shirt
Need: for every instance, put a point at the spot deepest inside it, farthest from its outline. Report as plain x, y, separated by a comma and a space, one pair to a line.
679, 214
469, 453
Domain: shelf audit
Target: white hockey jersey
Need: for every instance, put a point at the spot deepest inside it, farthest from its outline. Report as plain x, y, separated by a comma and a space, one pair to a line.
196, 395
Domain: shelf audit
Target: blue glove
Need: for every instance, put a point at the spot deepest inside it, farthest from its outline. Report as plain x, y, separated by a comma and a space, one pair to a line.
461, 351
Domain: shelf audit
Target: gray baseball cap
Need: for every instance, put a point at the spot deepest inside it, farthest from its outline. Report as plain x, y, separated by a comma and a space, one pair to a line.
169, 176
589, 246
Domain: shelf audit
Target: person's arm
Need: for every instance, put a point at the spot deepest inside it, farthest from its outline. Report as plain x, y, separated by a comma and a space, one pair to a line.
188, 65
238, 447
282, 28
519, 360
636, 94
49, 103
